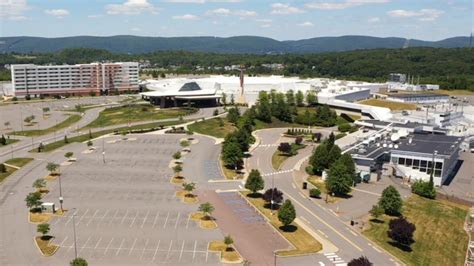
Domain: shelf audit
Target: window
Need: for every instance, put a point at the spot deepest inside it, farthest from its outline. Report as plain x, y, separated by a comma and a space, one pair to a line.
401, 161
438, 165
408, 162
416, 164
190, 86
437, 173
430, 164
423, 163
423, 170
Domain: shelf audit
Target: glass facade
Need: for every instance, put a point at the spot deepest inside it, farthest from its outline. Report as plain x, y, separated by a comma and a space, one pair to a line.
424, 166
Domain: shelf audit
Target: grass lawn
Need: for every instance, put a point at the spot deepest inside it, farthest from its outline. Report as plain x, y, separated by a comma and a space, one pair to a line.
229, 173
394, 106
212, 127
278, 158
319, 183
9, 141
135, 113
39, 217
45, 245
275, 124
177, 180
304, 243
85, 137
440, 238
39, 132
203, 221
18, 162
230, 254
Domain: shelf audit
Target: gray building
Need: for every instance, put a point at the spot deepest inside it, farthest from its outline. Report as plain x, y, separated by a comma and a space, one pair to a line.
418, 97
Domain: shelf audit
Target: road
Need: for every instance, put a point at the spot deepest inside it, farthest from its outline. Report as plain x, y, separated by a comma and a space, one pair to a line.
322, 220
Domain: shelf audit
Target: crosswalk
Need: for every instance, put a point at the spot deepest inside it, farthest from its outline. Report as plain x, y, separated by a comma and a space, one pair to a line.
279, 172
335, 259
268, 145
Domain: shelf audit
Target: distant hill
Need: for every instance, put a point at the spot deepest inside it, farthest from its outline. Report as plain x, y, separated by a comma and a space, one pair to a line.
238, 44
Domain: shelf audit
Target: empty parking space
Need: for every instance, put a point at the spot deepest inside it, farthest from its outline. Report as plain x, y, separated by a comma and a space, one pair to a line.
125, 211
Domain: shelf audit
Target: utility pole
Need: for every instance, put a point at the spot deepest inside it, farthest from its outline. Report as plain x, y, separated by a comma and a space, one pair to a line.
74, 232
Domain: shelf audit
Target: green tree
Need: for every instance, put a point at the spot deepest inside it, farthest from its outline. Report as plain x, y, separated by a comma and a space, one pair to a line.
207, 209
189, 187
311, 98
282, 109
66, 140
319, 159
299, 98
43, 229
264, 112
68, 155
401, 231
333, 155
391, 202
33, 200
177, 155
360, 261
290, 98
254, 181
3, 140
330, 141
228, 241
233, 115
232, 154
52, 168
78, 262
215, 112
89, 143
177, 170
224, 99
39, 183
376, 211
286, 213
338, 180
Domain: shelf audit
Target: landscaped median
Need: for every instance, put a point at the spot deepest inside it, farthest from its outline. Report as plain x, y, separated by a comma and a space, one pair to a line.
205, 221
228, 254
45, 245
303, 242
279, 157
39, 132
13, 165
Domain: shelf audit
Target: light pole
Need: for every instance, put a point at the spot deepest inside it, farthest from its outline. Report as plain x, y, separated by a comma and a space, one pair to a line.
74, 232
273, 189
60, 194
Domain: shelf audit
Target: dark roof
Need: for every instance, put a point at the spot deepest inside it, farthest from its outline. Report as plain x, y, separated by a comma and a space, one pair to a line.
428, 143
190, 86
417, 95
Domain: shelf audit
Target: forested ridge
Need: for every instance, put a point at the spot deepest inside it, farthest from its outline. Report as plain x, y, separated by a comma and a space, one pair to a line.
451, 68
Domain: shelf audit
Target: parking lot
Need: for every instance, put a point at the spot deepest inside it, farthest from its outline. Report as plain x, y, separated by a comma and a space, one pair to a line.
125, 209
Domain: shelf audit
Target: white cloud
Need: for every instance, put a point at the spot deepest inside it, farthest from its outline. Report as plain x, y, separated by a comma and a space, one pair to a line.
131, 7
266, 25
13, 9
306, 24
228, 12
264, 20
374, 20
422, 14
136, 29
186, 17
284, 9
95, 16
58, 13
343, 5
202, 1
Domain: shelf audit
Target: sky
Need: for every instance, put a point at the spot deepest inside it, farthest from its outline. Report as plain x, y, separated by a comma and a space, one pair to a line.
281, 20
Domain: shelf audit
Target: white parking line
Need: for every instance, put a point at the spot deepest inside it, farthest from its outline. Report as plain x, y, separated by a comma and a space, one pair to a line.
126, 214
156, 249
134, 218
177, 220
70, 219
85, 244
97, 244
187, 222
80, 219
144, 248
120, 247
181, 253
169, 250
62, 242
96, 211
113, 217
154, 221
102, 218
194, 251
133, 246
146, 217
167, 216
321, 264
107, 248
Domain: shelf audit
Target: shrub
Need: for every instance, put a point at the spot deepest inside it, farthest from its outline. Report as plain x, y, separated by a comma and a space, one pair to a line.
298, 140
423, 189
344, 127
3, 169
340, 135
314, 193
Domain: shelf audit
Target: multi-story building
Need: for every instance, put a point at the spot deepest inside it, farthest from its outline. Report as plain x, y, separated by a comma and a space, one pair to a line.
99, 78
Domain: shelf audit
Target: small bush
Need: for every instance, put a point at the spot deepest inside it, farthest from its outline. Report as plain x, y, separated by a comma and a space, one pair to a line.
314, 193
344, 127
3, 169
423, 189
340, 135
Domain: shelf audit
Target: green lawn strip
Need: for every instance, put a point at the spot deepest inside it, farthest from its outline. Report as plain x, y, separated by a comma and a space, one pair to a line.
229, 173
136, 113
439, 237
394, 106
84, 137
9, 141
32, 133
303, 242
18, 162
278, 157
213, 127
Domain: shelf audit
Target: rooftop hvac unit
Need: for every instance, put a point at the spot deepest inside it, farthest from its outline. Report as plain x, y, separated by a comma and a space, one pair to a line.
384, 145
378, 144
390, 146
395, 146
395, 137
366, 142
403, 133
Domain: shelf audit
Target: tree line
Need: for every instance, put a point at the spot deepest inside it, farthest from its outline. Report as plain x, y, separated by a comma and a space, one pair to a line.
451, 68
